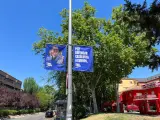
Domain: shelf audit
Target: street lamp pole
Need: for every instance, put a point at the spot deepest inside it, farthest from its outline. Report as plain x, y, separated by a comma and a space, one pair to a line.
69, 97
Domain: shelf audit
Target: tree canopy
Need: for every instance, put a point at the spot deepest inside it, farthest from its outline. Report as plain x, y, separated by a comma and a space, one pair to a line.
45, 96
118, 49
30, 85
145, 17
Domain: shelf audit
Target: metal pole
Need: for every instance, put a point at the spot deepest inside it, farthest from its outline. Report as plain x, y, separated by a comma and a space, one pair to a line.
69, 98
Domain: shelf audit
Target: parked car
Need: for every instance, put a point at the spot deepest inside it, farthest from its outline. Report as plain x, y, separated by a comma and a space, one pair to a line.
49, 113
111, 107
131, 108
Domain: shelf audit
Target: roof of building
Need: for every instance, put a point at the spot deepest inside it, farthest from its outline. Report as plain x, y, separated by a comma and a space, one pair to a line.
153, 77
144, 79
137, 79
141, 79
61, 102
9, 76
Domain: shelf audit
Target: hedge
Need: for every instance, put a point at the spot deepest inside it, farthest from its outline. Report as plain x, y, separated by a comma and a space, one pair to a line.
4, 113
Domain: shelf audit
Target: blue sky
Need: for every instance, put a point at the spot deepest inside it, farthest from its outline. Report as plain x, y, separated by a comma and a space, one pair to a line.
19, 24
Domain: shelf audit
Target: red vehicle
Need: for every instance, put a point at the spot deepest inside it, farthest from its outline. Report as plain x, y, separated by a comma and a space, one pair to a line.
131, 108
111, 107
107, 106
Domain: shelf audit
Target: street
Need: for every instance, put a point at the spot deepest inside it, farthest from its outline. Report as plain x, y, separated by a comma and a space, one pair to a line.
40, 116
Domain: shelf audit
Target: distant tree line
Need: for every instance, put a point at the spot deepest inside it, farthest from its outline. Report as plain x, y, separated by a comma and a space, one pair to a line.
44, 95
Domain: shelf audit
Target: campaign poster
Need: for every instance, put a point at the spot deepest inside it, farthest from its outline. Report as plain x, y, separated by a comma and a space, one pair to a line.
55, 57
83, 58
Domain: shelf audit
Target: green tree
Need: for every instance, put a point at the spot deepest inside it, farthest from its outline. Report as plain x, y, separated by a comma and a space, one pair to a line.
30, 85
49, 89
114, 56
146, 19
46, 96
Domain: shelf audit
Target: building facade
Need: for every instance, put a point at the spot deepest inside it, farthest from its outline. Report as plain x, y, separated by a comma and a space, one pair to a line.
132, 83
9, 81
126, 84
146, 97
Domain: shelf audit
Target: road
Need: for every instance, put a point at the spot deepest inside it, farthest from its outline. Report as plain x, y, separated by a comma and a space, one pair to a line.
40, 116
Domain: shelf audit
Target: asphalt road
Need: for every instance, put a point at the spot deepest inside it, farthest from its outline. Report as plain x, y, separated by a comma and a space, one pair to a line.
40, 116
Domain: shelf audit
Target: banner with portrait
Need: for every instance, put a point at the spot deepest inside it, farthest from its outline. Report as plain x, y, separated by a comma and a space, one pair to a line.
55, 57
83, 58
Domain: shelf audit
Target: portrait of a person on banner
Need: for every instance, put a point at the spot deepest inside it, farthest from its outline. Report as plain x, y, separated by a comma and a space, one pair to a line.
56, 55
55, 58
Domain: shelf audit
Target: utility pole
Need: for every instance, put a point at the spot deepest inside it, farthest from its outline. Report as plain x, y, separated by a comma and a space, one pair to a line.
69, 97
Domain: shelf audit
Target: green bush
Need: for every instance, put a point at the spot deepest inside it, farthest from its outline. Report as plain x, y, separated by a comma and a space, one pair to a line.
30, 111
22, 112
37, 110
12, 112
8, 112
4, 113
17, 112
79, 111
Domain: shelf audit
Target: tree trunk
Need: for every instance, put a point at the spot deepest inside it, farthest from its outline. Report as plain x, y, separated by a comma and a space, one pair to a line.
90, 100
94, 101
117, 100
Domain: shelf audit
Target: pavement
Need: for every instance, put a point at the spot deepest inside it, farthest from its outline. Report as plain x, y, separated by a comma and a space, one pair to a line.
39, 116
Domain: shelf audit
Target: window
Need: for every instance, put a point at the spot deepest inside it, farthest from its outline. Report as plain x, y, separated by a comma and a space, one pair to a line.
152, 93
2, 77
130, 82
9, 80
152, 107
130, 95
138, 94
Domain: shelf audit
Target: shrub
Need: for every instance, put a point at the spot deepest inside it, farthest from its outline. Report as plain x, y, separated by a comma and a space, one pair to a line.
8, 112
12, 112
4, 113
10, 98
37, 110
30, 111
22, 112
79, 111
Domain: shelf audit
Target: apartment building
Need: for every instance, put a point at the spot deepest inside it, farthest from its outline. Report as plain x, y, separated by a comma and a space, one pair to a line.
9, 81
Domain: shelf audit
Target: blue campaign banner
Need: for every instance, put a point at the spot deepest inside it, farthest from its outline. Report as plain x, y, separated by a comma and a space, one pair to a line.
55, 57
83, 58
